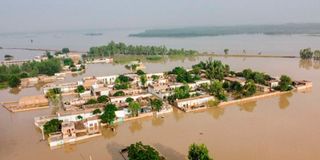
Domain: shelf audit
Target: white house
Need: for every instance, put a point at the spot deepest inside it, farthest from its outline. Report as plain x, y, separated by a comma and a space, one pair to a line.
191, 102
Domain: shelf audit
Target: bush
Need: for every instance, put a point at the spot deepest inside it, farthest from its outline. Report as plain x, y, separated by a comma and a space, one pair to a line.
96, 111
91, 101
198, 152
80, 89
119, 93
14, 81
102, 99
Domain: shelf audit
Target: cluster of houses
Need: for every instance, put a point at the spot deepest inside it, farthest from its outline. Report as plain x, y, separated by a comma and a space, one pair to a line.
76, 105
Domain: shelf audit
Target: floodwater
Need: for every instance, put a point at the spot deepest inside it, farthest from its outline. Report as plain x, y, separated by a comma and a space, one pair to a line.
77, 40
277, 128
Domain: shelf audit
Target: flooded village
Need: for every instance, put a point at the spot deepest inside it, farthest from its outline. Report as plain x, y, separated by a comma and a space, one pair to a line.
97, 102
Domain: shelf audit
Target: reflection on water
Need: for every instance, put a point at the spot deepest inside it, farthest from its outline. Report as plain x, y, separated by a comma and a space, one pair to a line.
135, 126
177, 114
309, 64
248, 106
284, 100
157, 121
216, 112
108, 133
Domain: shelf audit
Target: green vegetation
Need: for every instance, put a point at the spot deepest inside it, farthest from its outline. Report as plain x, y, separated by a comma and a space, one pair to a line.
80, 89
180, 93
183, 76
198, 152
156, 104
8, 57
214, 69
143, 79
292, 28
257, 77
120, 48
122, 82
119, 93
155, 77
52, 94
140, 72
52, 126
14, 81
308, 54
102, 99
139, 151
285, 83
216, 89
129, 100
226, 51
108, 116
65, 50
134, 108
248, 89
96, 111
30, 69
154, 57
79, 117
68, 62
91, 101
213, 103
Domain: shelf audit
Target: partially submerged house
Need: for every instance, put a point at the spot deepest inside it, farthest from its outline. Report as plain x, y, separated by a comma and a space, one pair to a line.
193, 102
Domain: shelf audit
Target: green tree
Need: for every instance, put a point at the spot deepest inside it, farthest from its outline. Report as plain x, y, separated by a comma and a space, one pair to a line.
182, 92
155, 77
80, 89
249, 89
134, 108
65, 50
216, 89
198, 152
156, 104
102, 99
52, 126
96, 111
226, 51
143, 79
140, 72
119, 93
109, 115
285, 83
68, 62
139, 151
79, 117
14, 81
129, 99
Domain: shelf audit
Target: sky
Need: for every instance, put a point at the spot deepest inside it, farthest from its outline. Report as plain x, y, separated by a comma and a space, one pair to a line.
53, 15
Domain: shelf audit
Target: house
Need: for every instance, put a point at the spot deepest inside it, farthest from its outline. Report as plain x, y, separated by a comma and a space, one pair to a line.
64, 87
262, 88
303, 84
107, 79
87, 83
92, 124
193, 102
122, 99
98, 90
240, 80
273, 83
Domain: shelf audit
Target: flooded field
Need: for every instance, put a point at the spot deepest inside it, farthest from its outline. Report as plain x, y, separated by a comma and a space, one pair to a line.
277, 128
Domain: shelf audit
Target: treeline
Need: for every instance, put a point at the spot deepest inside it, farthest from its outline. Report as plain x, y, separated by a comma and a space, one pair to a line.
13, 73
121, 48
307, 53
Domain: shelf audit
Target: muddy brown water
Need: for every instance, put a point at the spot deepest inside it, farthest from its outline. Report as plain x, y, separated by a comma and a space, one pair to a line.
277, 128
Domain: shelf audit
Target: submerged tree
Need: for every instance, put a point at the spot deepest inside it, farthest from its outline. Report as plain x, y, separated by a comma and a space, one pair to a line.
285, 83
134, 108
156, 104
198, 152
139, 151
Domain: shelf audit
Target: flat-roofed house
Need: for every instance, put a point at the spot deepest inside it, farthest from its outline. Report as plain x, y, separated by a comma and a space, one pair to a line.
262, 88
240, 80
193, 102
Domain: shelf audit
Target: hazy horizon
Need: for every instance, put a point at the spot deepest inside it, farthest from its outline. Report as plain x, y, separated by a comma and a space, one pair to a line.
46, 15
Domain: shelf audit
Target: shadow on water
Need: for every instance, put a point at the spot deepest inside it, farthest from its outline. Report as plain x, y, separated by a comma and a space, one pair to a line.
168, 152
248, 106
108, 133
114, 150
177, 114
